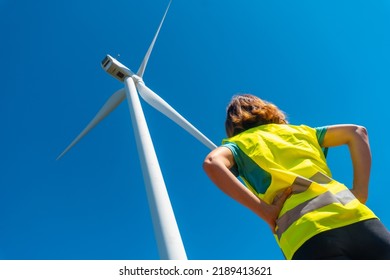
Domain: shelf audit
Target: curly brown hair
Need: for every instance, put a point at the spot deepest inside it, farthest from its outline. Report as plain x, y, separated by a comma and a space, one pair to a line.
246, 111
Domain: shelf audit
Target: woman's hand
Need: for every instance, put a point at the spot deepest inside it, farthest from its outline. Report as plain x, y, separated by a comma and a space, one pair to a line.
276, 207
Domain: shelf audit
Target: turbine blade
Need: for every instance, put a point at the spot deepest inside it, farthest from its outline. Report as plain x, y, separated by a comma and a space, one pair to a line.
142, 67
163, 107
107, 108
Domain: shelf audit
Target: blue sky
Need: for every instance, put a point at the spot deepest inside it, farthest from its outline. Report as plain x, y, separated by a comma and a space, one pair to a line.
322, 62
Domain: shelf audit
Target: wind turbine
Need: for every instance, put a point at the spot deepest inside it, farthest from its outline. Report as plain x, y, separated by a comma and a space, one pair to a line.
169, 242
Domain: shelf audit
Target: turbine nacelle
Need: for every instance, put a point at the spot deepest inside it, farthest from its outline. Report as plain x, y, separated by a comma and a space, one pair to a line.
116, 69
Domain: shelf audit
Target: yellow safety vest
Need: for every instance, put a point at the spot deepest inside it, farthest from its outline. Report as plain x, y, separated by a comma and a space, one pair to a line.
271, 158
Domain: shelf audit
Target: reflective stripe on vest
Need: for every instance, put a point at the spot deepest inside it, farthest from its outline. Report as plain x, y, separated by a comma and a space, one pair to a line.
300, 185
288, 218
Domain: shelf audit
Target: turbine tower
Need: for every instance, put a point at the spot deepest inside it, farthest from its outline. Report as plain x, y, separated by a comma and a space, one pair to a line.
169, 242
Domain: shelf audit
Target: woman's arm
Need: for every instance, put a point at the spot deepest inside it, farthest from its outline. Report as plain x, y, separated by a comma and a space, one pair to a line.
217, 165
356, 138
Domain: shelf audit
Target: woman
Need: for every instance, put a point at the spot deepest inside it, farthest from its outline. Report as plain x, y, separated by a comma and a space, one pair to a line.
289, 185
